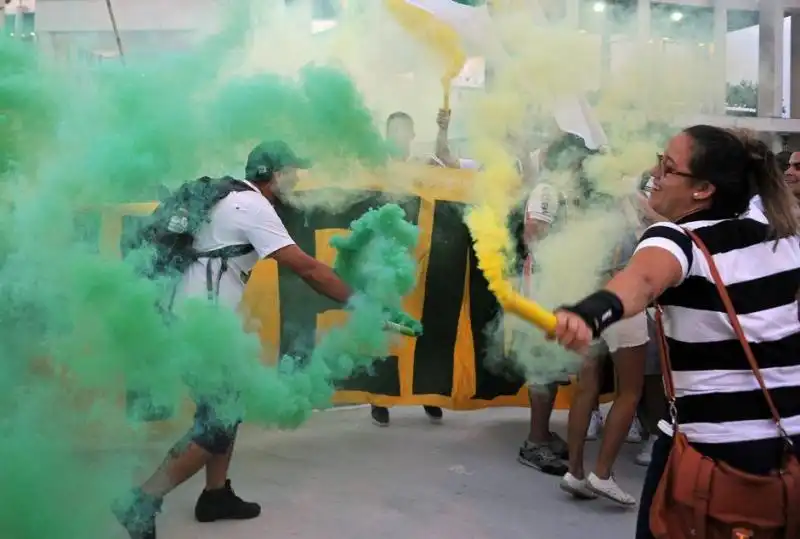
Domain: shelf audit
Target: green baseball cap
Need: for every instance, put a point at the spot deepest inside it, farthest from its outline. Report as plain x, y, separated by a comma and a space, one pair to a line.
270, 157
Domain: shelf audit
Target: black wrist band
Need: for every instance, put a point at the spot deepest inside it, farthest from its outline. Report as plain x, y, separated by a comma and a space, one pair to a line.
598, 310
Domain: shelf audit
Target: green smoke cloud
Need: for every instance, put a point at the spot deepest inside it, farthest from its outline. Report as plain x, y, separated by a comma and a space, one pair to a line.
79, 139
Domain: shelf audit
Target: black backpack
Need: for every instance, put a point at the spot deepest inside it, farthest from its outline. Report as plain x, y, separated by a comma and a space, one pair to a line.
171, 229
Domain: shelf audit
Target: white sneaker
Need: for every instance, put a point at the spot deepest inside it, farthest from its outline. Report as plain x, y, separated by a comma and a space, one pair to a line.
577, 487
608, 488
634, 432
595, 425
646, 454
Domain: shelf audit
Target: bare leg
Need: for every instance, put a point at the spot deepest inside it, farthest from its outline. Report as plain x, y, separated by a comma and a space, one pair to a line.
543, 450
183, 461
137, 512
629, 364
580, 412
542, 400
217, 469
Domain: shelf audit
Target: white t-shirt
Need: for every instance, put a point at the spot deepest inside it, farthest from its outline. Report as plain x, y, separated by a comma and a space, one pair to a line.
243, 217
542, 204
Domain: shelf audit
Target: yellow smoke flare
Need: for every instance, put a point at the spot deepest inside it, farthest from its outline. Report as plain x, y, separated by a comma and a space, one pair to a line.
492, 240
491, 237
439, 37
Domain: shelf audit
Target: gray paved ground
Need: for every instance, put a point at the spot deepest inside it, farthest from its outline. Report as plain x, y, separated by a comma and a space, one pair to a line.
340, 477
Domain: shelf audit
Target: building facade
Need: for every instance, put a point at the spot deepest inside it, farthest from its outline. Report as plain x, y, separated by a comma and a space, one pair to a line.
730, 30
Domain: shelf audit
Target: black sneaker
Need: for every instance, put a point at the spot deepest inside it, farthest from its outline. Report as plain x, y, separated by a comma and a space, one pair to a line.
542, 458
380, 416
224, 504
434, 413
137, 514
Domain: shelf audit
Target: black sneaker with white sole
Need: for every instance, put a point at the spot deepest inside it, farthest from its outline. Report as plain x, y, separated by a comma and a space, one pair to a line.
434, 413
380, 416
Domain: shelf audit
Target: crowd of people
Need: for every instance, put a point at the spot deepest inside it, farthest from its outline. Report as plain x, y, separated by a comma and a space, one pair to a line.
710, 183
729, 189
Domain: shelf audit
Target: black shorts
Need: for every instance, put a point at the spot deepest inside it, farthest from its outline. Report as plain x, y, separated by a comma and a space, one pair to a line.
213, 428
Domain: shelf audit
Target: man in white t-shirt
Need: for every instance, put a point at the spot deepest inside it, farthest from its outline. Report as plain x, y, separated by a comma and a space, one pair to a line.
543, 449
244, 217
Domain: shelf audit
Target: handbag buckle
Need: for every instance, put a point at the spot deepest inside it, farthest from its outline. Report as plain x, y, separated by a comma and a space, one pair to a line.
673, 413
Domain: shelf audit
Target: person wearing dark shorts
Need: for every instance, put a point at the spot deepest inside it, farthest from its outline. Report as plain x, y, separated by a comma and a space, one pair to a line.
246, 217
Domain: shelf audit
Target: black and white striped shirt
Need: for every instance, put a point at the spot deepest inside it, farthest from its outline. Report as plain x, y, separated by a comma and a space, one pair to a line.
718, 397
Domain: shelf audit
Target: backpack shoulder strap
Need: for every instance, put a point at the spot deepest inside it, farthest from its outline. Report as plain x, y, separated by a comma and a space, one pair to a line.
232, 185
228, 185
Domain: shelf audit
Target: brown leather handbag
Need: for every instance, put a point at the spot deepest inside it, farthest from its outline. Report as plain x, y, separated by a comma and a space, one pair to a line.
698, 498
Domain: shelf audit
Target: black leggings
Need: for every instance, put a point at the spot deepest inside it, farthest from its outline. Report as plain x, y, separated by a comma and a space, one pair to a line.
658, 463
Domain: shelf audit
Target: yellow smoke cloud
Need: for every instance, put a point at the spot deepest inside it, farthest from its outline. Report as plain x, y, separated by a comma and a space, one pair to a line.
442, 39
545, 63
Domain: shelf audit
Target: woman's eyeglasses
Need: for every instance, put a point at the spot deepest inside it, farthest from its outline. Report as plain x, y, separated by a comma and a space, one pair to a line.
665, 168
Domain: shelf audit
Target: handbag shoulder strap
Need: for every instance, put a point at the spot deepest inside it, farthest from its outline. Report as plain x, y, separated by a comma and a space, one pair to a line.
737, 328
666, 366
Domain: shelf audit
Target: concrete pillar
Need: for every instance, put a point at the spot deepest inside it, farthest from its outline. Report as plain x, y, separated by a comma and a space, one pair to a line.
794, 74
605, 47
770, 58
645, 45
719, 61
18, 20
573, 13
301, 13
644, 20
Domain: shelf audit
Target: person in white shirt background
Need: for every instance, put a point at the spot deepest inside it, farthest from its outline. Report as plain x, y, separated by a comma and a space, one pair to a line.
400, 134
244, 217
543, 449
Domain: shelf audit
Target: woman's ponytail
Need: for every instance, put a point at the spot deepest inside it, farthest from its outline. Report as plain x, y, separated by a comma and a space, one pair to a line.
767, 181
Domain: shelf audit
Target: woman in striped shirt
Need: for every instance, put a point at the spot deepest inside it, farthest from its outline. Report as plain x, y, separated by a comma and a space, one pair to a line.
704, 182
